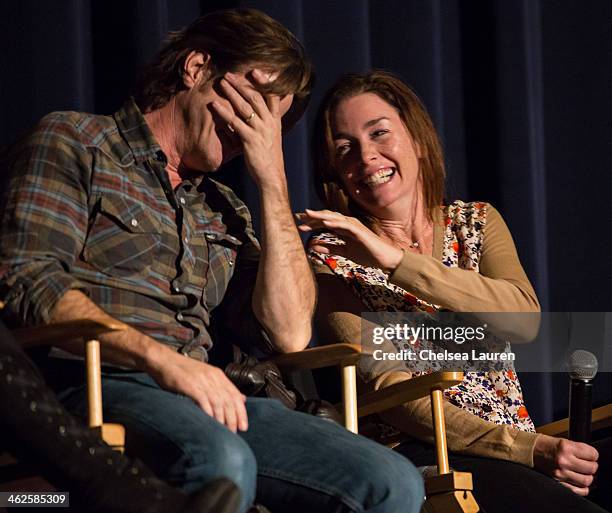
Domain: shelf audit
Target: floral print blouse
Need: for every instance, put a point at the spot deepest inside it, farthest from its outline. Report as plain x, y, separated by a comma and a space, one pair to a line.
495, 395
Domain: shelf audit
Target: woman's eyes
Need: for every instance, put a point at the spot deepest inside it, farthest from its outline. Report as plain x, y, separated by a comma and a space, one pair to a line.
344, 148
379, 132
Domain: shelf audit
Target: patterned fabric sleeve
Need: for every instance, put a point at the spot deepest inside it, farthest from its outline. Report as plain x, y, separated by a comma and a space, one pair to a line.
44, 218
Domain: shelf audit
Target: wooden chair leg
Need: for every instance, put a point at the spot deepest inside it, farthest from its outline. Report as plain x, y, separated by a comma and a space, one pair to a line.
94, 383
349, 397
437, 412
112, 434
449, 491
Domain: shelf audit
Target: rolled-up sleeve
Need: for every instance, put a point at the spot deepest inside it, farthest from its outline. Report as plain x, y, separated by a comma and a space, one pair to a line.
43, 218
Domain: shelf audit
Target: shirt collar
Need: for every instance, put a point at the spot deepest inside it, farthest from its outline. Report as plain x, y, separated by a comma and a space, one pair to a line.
137, 134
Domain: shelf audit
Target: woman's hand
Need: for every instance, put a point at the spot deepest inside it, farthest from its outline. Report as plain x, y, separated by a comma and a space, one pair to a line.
362, 244
573, 464
256, 119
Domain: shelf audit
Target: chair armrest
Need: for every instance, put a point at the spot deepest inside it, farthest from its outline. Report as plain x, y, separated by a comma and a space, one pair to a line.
87, 330
317, 357
47, 334
406, 391
600, 418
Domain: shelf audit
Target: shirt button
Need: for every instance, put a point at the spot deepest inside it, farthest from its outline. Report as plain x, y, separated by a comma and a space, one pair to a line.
134, 222
231, 262
179, 316
176, 288
182, 200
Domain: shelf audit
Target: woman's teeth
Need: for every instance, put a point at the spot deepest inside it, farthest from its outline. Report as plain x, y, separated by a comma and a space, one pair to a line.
379, 178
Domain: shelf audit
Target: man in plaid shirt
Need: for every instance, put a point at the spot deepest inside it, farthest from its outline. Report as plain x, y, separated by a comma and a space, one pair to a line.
117, 217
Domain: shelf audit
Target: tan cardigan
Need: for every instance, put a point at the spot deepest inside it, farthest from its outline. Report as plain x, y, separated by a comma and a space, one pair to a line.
501, 285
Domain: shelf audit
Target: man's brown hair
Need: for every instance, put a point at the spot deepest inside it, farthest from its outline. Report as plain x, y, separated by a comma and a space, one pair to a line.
233, 38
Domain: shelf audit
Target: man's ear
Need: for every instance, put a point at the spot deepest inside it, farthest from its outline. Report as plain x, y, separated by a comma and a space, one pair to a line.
196, 68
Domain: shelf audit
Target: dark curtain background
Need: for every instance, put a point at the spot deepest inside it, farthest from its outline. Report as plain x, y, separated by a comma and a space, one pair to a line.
519, 91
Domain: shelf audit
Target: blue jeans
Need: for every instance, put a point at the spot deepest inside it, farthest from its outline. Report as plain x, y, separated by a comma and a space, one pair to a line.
286, 460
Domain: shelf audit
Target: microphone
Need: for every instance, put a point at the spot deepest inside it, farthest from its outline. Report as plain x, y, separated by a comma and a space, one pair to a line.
582, 367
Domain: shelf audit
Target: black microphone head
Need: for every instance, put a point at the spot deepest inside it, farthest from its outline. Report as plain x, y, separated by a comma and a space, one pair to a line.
582, 365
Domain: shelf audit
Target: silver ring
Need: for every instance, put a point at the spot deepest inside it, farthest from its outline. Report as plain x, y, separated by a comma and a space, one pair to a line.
251, 116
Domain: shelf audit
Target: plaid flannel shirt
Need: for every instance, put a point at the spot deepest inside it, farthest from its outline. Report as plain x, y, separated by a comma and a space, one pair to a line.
89, 206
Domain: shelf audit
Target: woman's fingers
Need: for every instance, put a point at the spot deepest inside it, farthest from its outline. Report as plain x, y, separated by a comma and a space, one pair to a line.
318, 248
585, 452
339, 228
318, 215
583, 492
322, 214
572, 477
309, 223
328, 219
584, 464
571, 463
324, 247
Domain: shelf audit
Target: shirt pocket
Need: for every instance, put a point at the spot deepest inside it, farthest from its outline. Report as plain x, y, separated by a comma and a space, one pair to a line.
222, 246
124, 237
222, 253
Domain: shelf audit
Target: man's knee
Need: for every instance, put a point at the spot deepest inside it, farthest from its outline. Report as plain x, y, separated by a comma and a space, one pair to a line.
233, 458
398, 482
412, 482
221, 456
